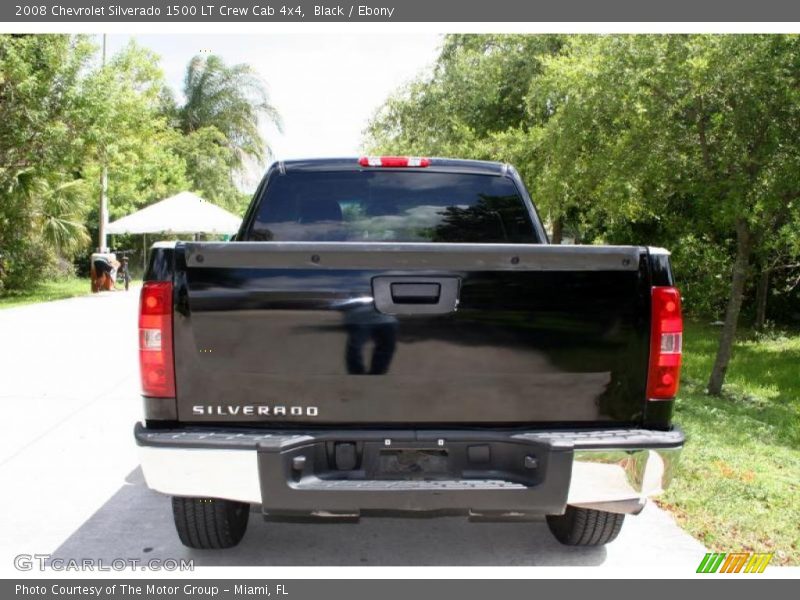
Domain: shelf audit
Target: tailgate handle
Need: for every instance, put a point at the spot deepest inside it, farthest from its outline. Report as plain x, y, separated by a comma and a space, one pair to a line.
408, 295
416, 293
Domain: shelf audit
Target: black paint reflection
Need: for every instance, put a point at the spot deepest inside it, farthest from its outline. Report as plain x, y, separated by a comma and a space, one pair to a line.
363, 324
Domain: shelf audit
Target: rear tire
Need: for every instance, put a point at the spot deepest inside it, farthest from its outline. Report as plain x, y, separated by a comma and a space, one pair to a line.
210, 523
585, 526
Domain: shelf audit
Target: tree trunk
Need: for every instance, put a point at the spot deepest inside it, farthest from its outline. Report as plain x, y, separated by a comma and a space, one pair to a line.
744, 247
761, 299
558, 231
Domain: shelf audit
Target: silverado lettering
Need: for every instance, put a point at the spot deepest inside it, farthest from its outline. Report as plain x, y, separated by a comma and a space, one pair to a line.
260, 410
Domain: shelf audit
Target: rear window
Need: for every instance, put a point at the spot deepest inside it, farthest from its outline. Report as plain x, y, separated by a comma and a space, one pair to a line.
392, 206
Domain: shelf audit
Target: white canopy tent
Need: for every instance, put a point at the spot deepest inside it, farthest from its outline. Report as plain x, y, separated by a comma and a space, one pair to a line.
182, 213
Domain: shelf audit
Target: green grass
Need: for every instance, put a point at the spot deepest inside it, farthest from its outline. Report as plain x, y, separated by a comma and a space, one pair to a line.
738, 485
49, 290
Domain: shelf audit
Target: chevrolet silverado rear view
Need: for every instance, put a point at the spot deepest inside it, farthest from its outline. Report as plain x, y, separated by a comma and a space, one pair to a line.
395, 335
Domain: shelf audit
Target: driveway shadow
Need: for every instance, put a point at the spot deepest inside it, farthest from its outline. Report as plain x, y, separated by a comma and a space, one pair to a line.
137, 523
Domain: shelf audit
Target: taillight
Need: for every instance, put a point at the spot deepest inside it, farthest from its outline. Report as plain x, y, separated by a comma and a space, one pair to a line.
155, 340
666, 341
394, 161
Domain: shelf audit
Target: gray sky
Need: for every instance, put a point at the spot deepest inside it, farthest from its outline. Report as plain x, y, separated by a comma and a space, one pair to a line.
326, 86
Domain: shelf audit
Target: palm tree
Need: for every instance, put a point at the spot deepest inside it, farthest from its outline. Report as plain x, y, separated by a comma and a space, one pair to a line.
63, 212
232, 99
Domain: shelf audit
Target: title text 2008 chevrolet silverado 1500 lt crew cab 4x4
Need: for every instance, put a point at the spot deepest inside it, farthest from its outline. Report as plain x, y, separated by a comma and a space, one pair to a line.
396, 335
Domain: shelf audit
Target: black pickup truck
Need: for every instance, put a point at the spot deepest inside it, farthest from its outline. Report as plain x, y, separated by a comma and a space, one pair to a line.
396, 335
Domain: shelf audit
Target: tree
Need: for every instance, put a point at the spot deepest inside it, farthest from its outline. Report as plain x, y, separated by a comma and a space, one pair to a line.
703, 127
129, 134
62, 119
42, 148
230, 98
476, 90
210, 166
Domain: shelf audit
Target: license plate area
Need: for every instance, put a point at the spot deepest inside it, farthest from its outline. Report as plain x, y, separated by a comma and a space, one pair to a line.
426, 460
412, 463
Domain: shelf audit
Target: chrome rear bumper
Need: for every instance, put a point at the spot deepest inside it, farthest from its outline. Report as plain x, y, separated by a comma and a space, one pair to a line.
620, 480
513, 474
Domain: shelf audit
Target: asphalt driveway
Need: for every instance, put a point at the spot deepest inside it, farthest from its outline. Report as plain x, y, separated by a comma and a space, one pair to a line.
69, 397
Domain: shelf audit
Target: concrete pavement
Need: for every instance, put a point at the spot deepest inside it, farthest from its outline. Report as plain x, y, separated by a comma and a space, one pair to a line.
73, 488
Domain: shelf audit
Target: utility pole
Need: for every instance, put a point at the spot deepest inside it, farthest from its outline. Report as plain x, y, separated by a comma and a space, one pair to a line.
103, 241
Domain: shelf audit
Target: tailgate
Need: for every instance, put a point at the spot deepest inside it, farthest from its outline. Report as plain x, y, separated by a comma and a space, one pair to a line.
349, 333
